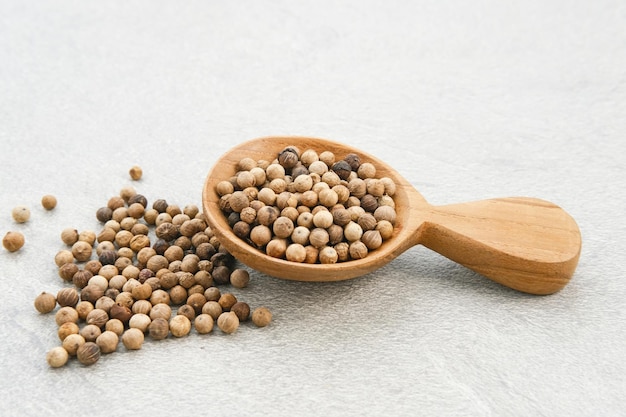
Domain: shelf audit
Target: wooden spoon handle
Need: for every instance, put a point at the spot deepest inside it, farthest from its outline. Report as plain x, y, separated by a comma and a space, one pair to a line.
527, 244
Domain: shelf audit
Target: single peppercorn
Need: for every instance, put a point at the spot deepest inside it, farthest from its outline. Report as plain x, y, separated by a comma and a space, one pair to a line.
133, 339
67, 297
159, 328
72, 342
228, 322
48, 202
67, 329
180, 325
90, 332
242, 310
261, 316
135, 172
203, 323
107, 341
45, 302
57, 357
20, 214
88, 354
13, 241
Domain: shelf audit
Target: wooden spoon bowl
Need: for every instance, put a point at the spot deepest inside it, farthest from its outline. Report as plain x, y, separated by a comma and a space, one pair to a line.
527, 244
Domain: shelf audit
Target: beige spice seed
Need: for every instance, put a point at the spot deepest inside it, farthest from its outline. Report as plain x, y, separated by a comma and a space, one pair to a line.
67, 329
20, 214
228, 322
48, 202
67, 297
90, 332
261, 316
107, 341
159, 328
180, 325
133, 339
115, 326
72, 342
45, 302
57, 357
66, 314
203, 323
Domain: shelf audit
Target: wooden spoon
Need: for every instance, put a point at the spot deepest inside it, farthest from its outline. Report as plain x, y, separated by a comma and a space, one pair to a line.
527, 244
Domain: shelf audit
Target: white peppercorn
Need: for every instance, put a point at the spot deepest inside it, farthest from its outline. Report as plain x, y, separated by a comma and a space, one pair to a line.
57, 357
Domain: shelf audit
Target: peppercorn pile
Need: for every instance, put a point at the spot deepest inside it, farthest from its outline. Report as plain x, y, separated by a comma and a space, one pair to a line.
310, 207
124, 285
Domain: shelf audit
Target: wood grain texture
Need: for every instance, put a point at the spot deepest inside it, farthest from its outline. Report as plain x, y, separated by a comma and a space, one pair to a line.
527, 244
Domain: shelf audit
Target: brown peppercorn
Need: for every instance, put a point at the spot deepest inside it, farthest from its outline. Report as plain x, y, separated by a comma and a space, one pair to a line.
115, 326
180, 325
212, 294
239, 278
159, 328
142, 291
196, 301
72, 342
163, 311
67, 271
228, 322
67, 329
82, 251
221, 275
81, 278
203, 323
133, 339
107, 341
69, 236
138, 198
48, 202
139, 321
57, 357
90, 332
93, 266
167, 231
88, 354
107, 257
120, 312
213, 309
83, 308
104, 214
227, 300
91, 293
157, 262
97, 317
45, 302
67, 297
66, 314
342, 169
187, 311
242, 310
13, 241
178, 294
160, 205
261, 316
136, 211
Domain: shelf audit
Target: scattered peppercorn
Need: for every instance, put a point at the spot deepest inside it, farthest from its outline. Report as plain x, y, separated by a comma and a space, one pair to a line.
13, 241
132, 285
135, 172
21, 214
49, 202
57, 357
45, 302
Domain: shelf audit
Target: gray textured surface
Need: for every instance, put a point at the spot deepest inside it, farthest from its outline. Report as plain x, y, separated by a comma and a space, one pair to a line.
468, 101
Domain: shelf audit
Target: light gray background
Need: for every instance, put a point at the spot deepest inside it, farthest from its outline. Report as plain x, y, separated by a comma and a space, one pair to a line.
468, 100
